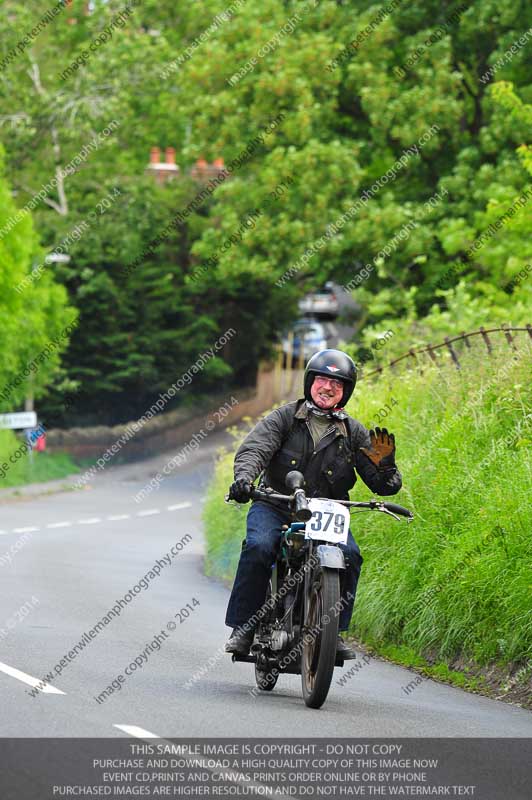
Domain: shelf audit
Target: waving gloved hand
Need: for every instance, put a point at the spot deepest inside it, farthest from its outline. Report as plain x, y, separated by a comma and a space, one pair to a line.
240, 490
382, 448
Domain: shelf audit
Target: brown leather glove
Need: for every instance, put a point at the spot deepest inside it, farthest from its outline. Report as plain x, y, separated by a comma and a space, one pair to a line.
382, 449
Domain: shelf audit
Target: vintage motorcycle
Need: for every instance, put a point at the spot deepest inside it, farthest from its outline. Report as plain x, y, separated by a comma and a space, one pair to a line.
298, 626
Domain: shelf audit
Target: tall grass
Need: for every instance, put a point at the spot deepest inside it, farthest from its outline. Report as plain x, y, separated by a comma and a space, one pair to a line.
458, 580
19, 471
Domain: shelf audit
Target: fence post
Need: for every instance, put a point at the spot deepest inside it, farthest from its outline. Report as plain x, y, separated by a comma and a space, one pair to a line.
452, 352
278, 375
466, 340
287, 372
486, 339
529, 329
508, 335
416, 362
432, 354
298, 371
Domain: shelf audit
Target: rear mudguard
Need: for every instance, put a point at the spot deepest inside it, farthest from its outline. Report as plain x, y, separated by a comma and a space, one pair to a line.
330, 556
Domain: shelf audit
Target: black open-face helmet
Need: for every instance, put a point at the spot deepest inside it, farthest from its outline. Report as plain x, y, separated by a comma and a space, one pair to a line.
333, 364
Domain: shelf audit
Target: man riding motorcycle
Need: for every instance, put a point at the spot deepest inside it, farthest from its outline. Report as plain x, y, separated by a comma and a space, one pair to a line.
317, 437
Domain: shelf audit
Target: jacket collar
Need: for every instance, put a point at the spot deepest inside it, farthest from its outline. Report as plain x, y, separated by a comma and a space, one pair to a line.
303, 411
337, 417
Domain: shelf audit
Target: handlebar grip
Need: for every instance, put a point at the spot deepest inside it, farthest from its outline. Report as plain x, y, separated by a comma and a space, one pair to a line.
395, 509
302, 512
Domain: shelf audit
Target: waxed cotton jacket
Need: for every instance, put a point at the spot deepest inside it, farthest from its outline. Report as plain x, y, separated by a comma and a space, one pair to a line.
282, 441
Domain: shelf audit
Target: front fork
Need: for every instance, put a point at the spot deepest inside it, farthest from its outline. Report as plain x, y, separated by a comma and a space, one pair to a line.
310, 578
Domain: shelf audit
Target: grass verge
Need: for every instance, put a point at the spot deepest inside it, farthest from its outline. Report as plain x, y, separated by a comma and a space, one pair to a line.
22, 469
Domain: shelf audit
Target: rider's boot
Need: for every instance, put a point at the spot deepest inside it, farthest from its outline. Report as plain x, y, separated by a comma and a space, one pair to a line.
240, 641
343, 650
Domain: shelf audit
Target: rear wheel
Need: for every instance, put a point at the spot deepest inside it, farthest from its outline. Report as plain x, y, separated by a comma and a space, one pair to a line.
319, 652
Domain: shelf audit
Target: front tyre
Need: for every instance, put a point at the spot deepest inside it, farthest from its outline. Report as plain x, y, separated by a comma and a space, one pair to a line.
319, 651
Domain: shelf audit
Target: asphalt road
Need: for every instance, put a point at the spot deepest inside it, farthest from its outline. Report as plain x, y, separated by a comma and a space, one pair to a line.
88, 549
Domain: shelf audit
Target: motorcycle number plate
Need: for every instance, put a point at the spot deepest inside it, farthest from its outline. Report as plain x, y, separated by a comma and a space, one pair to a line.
329, 522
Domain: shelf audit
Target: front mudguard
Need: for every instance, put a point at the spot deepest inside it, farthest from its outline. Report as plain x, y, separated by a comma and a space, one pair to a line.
330, 556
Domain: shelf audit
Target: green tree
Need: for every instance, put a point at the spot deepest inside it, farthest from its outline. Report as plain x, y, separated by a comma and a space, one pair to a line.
34, 315
311, 111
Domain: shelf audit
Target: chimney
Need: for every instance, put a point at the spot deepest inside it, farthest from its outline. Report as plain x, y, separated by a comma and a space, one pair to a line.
162, 171
202, 171
199, 170
70, 20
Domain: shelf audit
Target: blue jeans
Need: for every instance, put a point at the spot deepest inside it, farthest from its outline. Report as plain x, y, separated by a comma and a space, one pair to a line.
255, 566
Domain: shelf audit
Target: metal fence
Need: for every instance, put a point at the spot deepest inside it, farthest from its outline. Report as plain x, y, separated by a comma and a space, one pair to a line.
415, 355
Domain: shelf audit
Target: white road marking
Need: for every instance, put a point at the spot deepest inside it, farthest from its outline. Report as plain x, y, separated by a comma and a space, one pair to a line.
25, 530
202, 762
94, 520
25, 678
134, 730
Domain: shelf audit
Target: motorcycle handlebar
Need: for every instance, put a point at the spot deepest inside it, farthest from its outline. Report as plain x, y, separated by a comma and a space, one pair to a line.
301, 504
400, 510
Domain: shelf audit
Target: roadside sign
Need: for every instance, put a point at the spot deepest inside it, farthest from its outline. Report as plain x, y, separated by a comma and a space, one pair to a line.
57, 258
22, 419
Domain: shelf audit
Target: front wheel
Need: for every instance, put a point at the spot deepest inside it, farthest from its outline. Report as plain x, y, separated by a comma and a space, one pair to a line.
320, 639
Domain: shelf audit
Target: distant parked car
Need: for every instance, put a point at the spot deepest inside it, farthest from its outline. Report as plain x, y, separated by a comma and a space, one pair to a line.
324, 302
309, 337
